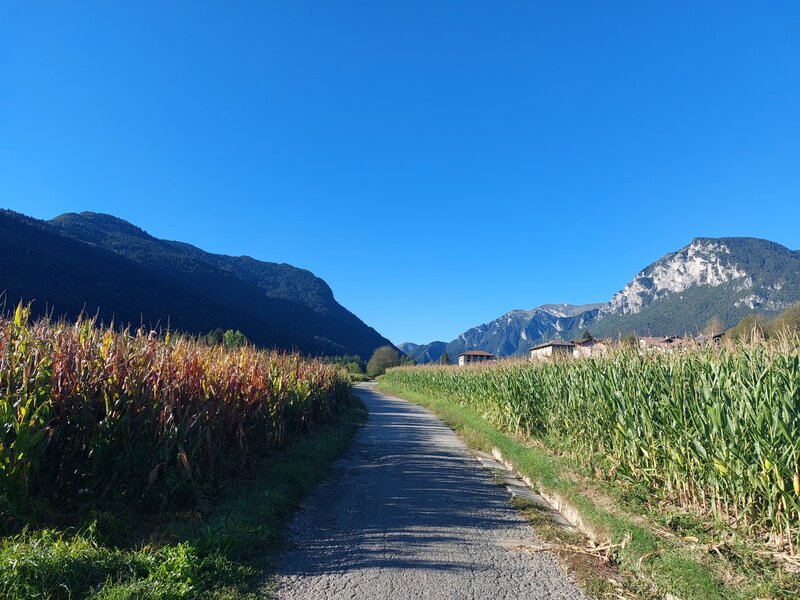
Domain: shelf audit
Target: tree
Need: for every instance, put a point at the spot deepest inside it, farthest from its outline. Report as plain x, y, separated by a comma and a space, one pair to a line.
214, 337
354, 368
786, 323
714, 326
585, 336
233, 339
444, 359
382, 359
749, 328
407, 361
352, 362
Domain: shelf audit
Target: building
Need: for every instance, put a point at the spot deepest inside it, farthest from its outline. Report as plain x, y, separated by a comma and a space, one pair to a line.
713, 338
667, 344
475, 356
590, 347
553, 348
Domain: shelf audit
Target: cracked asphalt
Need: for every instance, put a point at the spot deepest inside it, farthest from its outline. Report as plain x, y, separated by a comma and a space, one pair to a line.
410, 513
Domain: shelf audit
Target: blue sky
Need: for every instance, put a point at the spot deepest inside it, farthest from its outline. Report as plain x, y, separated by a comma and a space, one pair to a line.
438, 163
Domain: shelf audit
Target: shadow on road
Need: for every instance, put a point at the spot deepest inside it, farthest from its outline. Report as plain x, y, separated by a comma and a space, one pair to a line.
405, 486
410, 514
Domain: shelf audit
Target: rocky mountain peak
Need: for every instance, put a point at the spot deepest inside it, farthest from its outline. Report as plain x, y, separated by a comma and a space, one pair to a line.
724, 278
703, 262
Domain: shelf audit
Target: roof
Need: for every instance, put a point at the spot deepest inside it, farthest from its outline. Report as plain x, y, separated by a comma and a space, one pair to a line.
555, 343
643, 340
665, 343
476, 353
671, 339
713, 337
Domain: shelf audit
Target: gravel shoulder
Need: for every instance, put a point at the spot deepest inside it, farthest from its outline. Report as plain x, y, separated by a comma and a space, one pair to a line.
410, 513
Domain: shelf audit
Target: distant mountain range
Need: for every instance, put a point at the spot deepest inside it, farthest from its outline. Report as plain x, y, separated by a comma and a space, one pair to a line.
680, 293
98, 263
407, 347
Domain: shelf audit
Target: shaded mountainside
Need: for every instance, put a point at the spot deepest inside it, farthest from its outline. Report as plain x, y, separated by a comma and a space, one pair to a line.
275, 280
726, 278
106, 265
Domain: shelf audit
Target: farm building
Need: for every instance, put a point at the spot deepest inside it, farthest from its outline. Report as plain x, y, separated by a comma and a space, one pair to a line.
590, 347
713, 338
553, 348
664, 344
475, 356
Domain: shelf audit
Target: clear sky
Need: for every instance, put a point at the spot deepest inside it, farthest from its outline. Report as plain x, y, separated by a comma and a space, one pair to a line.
437, 163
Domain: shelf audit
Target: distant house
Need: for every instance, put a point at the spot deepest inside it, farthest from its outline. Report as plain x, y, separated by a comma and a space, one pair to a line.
550, 349
475, 356
667, 344
710, 339
590, 347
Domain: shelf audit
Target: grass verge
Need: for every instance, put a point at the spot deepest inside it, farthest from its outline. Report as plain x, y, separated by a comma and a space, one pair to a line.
219, 550
595, 574
654, 565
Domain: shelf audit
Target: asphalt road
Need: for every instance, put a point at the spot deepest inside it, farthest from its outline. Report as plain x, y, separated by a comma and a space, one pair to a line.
410, 513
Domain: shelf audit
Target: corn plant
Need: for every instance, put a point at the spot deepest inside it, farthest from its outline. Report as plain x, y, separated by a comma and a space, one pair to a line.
715, 429
93, 412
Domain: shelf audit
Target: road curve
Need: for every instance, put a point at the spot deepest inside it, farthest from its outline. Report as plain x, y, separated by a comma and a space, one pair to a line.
409, 513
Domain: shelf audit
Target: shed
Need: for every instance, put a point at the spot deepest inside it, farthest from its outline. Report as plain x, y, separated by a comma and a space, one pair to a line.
475, 356
590, 347
552, 348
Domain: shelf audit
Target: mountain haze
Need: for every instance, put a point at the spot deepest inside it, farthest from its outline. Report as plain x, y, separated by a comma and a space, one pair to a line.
100, 263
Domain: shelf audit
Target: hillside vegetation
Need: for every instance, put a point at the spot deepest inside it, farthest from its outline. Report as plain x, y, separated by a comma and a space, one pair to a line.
726, 278
98, 264
756, 326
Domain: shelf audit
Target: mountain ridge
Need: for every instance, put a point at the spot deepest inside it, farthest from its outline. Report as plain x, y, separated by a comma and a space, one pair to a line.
725, 278
112, 267
513, 332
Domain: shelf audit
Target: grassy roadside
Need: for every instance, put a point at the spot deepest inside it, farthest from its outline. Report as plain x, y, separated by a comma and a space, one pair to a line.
219, 550
654, 564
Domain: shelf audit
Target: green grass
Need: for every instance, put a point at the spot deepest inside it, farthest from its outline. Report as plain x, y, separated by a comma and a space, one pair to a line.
222, 552
653, 564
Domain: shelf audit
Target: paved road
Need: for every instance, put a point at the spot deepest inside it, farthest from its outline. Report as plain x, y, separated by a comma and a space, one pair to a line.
409, 513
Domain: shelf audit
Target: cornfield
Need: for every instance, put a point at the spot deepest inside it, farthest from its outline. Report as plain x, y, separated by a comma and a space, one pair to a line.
716, 429
92, 412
